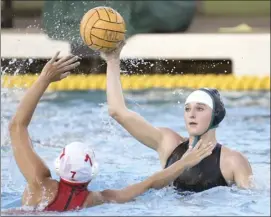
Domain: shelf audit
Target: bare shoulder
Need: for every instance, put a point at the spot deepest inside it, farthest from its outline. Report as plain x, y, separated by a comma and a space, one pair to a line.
232, 155
51, 186
45, 193
171, 140
170, 134
234, 159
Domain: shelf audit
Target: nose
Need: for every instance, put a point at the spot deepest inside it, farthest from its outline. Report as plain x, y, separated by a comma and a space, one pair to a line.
192, 113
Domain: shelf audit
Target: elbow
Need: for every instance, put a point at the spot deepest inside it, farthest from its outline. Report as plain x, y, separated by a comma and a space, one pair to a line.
14, 125
112, 112
114, 196
116, 113
121, 197
121, 200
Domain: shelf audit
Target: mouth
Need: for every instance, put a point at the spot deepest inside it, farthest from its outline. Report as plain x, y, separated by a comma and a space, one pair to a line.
192, 124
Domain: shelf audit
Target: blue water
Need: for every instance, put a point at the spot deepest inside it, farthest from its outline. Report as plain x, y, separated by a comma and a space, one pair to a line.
63, 117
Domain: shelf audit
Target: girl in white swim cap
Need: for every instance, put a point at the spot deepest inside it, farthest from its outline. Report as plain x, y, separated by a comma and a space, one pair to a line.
203, 111
76, 164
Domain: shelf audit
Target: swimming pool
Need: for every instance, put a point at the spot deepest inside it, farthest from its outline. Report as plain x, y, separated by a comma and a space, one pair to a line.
63, 117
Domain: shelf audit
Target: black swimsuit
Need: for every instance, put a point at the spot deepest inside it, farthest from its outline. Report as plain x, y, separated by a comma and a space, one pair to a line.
203, 176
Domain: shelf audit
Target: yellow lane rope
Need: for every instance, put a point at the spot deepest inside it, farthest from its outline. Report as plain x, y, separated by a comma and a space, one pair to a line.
137, 82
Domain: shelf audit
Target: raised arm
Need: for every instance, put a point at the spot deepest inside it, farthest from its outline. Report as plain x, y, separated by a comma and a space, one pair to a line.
158, 180
136, 125
30, 164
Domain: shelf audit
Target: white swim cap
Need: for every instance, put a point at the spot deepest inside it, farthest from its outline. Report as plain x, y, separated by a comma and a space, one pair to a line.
76, 163
200, 96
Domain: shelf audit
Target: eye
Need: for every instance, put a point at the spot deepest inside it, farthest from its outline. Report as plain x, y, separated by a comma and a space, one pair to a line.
200, 109
187, 109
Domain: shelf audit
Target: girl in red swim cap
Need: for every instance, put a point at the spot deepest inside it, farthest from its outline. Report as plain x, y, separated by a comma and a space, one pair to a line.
76, 163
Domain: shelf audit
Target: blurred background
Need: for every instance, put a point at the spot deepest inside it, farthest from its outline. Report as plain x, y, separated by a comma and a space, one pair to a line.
59, 20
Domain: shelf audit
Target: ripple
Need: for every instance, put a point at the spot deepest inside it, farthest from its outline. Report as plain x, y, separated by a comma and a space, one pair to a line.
63, 117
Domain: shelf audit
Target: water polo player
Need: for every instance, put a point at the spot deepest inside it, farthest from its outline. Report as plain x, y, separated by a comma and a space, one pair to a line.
76, 163
204, 111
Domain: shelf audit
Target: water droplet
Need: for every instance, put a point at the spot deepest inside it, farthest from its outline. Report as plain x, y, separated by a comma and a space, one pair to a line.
12, 61
30, 61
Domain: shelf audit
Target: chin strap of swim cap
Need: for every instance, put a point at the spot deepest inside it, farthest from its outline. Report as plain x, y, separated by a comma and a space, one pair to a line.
197, 138
95, 170
211, 126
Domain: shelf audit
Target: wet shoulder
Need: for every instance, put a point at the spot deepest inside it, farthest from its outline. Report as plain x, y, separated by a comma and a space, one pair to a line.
51, 186
172, 137
227, 157
171, 140
33, 196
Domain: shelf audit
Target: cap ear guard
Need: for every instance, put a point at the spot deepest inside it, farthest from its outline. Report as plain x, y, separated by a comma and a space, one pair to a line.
95, 170
218, 113
57, 165
95, 165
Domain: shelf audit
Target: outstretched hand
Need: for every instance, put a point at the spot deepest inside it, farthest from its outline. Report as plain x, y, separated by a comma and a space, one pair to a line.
58, 70
113, 54
194, 155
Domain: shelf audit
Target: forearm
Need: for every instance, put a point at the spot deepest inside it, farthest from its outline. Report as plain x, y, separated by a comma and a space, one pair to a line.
135, 190
127, 194
168, 175
29, 102
157, 181
115, 97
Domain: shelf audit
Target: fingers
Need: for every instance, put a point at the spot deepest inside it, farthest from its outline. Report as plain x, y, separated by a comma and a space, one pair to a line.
198, 145
121, 44
69, 67
54, 57
103, 56
206, 154
69, 61
114, 53
207, 150
64, 75
119, 47
64, 59
190, 148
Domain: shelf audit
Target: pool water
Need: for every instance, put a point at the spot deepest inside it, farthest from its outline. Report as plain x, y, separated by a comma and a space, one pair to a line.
63, 117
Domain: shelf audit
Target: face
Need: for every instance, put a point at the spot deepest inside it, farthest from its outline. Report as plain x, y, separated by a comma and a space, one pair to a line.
197, 118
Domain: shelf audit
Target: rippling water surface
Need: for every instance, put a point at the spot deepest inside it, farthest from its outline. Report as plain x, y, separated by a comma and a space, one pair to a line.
63, 117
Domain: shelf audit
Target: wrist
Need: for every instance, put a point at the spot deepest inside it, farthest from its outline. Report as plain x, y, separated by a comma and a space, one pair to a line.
43, 80
184, 164
151, 181
114, 61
